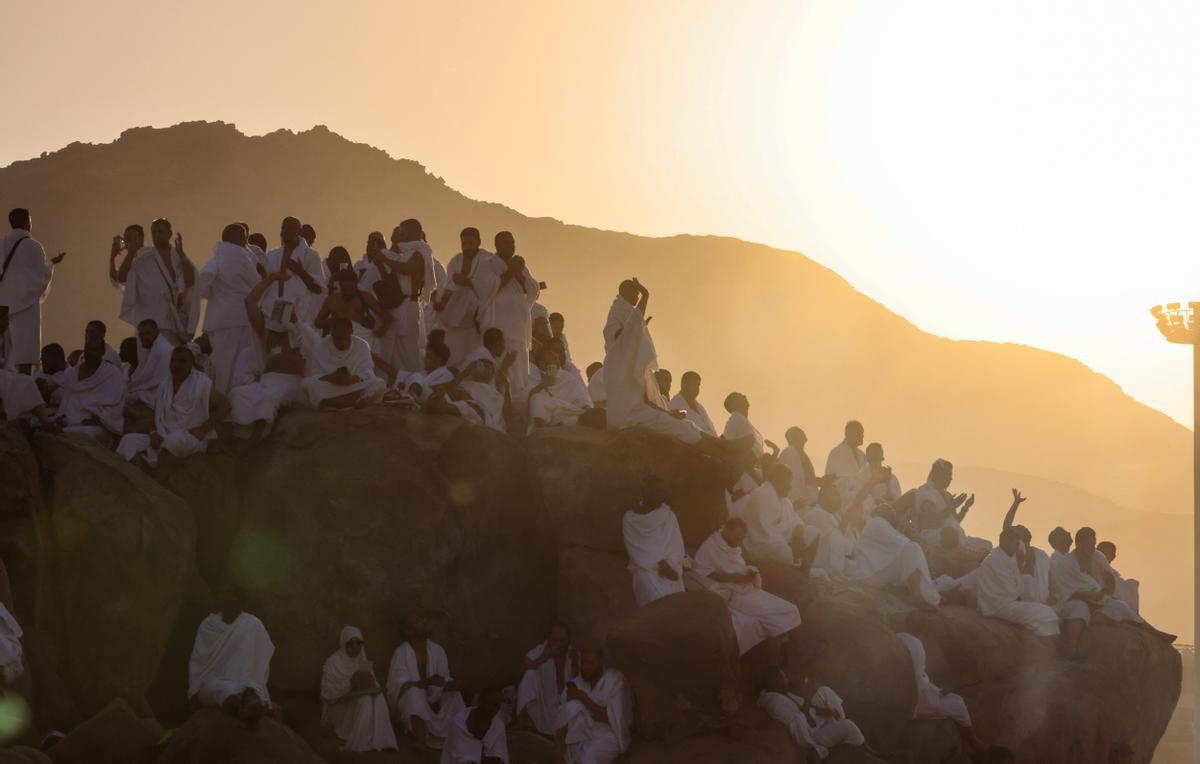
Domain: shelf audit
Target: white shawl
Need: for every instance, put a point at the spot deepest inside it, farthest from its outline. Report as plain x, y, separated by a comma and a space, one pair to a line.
1035, 587
404, 669
224, 282
150, 292
186, 409
878, 547
463, 302
509, 307
770, 522
653, 537
327, 358
1067, 578
239, 652
613, 693
464, 748
738, 427
630, 361
27, 280
695, 412
101, 395
153, 369
998, 582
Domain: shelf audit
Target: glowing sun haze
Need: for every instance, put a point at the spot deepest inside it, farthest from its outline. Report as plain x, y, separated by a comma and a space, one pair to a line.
1023, 171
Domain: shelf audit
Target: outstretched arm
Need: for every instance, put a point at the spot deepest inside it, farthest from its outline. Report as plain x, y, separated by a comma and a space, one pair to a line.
644, 298
253, 311
1018, 500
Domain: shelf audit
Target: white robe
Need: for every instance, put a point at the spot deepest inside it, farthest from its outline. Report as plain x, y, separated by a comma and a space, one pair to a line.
630, 361
845, 461
23, 288
835, 730
886, 492
788, 710
176, 413
508, 310
744, 487
835, 549
229, 658
538, 693
306, 304
598, 742
421, 385
152, 372
19, 393
435, 292
561, 402
462, 317
696, 413
738, 427
886, 557
327, 358
224, 282
803, 493
363, 724
1035, 587
403, 346
420, 702
464, 748
998, 584
649, 539
770, 524
151, 292
102, 395
756, 614
1067, 578
932, 703
933, 536
596, 391
11, 665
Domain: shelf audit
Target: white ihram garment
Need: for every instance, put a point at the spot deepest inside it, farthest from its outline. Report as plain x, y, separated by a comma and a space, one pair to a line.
886, 557
24, 285
538, 693
462, 747
420, 702
932, 703
152, 372
462, 317
650, 538
770, 524
305, 303
998, 585
363, 724
225, 281
102, 395
327, 358
228, 659
738, 427
696, 413
176, 413
152, 291
598, 742
1068, 578
508, 310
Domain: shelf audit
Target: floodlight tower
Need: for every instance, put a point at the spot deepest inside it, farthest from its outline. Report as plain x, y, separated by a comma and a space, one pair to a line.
1181, 324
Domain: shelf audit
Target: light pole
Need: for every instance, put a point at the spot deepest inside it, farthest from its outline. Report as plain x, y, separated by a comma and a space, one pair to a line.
1181, 324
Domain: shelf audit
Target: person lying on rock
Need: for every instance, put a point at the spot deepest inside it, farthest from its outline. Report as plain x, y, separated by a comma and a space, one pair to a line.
817, 724
932, 701
654, 544
547, 670
231, 661
757, 615
420, 689
596, 714
885, 557
186, 415
1077, 583
352, 702
477, 734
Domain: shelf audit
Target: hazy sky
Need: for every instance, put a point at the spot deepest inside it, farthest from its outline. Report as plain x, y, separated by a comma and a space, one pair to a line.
1018, 171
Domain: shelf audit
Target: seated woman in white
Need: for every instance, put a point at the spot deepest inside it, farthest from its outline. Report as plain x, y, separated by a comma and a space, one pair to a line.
420, 690
352, 702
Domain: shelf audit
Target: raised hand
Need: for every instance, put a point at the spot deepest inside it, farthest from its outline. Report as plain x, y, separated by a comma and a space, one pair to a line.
179, 244
1018, 499
58, 258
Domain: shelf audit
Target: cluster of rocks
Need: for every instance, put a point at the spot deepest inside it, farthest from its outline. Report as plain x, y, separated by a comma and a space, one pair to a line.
361, 517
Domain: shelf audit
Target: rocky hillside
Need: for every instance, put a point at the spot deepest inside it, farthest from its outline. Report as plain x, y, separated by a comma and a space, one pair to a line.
805, 346
361, 517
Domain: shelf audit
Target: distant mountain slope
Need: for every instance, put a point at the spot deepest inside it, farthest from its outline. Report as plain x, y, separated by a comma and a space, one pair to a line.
797, 338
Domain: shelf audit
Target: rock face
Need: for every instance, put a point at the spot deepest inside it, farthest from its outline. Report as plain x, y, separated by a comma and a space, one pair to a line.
363, 517
117, 551
114, 736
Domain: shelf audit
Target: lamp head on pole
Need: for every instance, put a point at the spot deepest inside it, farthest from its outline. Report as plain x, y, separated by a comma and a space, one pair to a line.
1178, 322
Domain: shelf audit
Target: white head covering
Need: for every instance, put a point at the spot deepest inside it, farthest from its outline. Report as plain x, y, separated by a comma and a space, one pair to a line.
341, 663
478, 354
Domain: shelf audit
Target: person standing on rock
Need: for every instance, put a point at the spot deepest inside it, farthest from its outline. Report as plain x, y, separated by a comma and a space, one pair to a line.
231, 662
158, 285
471, 277
548, 669
19, 393
508, 307
597, 712
654, 545
224, 282
420, 689
306, 290
757, 615
352, 702
25, 275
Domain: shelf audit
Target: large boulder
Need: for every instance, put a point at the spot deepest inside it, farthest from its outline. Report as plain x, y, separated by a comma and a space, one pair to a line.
361, 517
114, 736
680, 657
211, 735
119, 553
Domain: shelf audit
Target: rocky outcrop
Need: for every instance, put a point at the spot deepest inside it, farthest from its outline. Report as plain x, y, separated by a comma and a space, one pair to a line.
114, 736
365, 516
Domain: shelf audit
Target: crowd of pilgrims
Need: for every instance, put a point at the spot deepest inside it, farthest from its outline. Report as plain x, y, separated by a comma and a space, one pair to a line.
285, 327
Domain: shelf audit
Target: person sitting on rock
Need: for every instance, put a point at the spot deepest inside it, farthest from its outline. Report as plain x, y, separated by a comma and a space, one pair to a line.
597, 711
654, 544
479, 392
341, 373
932, 701
939, 513
231, 661
352, 702
93, 401
419, 386
818, 724
186, 415
1124, 589
757, 615
477, 734
998, 585
1077, 583
886, 557
420, 689
559, 396
775, 532
547, 670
